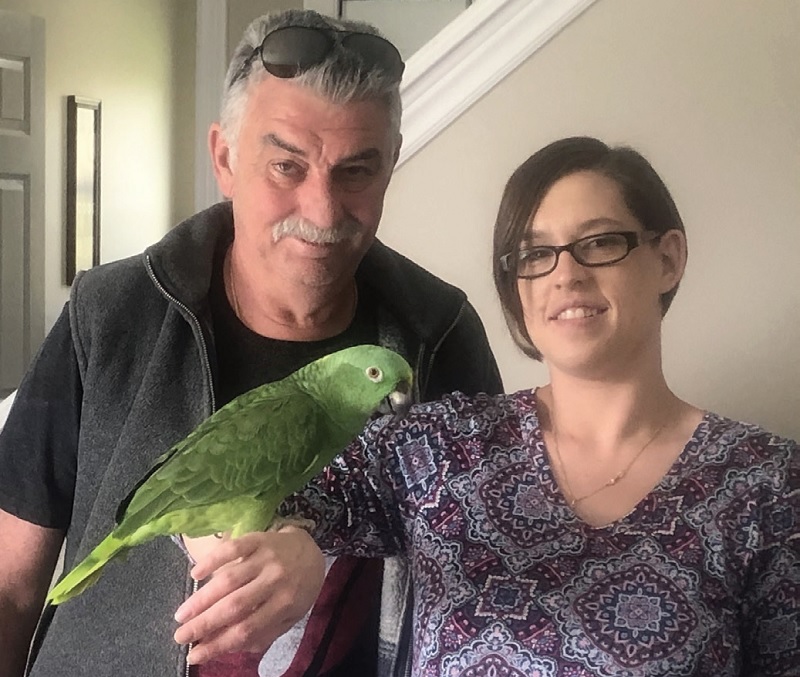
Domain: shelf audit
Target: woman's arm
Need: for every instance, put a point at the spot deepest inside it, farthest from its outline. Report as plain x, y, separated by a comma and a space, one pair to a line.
354, 502
771, 603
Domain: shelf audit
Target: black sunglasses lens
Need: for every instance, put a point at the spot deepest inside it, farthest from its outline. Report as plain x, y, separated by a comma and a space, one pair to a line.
374, 50
288, 51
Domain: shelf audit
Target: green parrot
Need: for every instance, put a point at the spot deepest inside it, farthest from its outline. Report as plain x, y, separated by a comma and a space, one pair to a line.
233, 471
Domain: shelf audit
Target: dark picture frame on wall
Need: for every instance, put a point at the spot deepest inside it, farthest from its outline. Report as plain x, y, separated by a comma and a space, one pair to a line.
83, 185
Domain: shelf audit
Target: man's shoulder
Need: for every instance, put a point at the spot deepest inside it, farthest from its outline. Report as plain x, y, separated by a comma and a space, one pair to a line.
108, 284
179, 265
387, 266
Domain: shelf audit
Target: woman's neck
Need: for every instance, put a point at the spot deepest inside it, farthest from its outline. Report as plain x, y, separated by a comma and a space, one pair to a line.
606, 414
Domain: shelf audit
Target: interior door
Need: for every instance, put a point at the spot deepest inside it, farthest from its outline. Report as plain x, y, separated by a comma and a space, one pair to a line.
21, 194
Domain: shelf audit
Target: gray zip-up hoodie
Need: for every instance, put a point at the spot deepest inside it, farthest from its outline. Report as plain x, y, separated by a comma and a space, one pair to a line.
145, 352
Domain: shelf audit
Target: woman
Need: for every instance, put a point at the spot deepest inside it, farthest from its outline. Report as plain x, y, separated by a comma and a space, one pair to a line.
598, 525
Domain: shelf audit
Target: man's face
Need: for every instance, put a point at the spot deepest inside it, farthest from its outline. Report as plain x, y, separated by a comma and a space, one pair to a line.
316, 170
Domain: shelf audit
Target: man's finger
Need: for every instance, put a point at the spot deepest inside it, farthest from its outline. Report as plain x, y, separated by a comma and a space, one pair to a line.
225, 552
252, 634
228, 579
229, 609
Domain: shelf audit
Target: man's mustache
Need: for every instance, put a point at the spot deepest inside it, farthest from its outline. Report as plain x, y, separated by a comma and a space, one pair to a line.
303, 229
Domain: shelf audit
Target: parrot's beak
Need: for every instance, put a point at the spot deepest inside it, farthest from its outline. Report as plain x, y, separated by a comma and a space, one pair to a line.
397, 402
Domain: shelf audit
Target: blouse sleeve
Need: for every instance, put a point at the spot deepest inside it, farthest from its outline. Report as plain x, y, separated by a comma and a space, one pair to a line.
771, 604
364, 503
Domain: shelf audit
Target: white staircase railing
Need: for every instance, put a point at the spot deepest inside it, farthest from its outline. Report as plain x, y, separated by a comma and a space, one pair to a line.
470, 56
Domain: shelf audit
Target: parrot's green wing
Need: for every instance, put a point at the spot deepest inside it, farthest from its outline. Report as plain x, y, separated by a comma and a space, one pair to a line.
236, 467
258, 452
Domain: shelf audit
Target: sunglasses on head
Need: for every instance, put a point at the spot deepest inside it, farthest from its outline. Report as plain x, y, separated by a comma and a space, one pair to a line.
286, 52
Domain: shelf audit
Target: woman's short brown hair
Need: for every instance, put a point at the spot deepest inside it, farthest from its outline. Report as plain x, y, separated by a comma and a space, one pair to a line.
645, 195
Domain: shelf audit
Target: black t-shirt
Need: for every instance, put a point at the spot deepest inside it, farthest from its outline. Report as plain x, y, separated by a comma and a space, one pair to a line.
247, 360
38, 444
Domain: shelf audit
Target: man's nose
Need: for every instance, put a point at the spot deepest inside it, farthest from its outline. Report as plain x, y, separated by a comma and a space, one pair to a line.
319, 202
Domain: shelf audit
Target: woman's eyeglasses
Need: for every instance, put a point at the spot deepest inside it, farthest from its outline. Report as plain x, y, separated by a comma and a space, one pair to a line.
286, 52
592, 251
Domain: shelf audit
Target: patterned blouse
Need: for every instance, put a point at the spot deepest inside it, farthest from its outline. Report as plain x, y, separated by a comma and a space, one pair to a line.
702, 578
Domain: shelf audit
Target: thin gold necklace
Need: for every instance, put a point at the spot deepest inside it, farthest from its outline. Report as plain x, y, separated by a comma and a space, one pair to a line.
234, 297
574, 500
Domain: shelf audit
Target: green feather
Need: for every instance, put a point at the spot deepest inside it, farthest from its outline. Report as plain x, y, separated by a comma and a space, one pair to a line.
234, 470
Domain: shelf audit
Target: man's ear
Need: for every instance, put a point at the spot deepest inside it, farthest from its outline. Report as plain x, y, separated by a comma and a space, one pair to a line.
221, 158
397, 146
673, 252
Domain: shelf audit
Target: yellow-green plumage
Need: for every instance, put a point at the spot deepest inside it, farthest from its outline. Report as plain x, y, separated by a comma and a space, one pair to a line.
233, 471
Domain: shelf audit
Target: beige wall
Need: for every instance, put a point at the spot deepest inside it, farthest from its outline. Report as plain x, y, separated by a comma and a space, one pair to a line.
125, 54
710, 92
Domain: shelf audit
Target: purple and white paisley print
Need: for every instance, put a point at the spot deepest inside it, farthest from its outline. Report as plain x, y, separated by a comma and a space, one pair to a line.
701, 579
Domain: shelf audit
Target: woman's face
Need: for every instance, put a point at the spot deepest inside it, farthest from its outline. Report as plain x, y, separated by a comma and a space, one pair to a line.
597, 322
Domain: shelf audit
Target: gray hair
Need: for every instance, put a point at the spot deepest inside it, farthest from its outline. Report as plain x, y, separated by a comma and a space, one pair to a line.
338, 78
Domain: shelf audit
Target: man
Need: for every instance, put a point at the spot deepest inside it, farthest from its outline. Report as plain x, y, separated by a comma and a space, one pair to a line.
243, 293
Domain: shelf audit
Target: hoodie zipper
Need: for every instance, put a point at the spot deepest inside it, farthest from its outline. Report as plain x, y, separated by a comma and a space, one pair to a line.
435, 350
209, 376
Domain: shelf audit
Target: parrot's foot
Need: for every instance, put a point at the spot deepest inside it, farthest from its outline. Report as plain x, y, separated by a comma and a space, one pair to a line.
300, 522
178, 540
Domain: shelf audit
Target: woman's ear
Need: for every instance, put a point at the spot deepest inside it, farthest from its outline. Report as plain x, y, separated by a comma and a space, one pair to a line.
672, 252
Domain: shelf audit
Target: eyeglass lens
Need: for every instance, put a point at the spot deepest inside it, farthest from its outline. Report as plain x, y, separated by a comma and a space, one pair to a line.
596, 250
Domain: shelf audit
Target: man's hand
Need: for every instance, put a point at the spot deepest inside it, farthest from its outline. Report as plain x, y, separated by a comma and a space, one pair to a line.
262, 584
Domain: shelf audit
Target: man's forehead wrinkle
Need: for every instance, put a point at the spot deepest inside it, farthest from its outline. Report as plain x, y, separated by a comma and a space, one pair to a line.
366, 155
274, 140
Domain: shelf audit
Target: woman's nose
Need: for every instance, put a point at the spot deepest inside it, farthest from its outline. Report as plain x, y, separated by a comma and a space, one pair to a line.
568, 271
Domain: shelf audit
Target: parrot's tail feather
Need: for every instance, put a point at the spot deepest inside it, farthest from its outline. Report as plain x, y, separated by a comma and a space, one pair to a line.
88, 571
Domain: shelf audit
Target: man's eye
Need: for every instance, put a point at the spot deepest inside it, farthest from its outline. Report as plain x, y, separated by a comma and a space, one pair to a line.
354, 178
287, 168
355, 172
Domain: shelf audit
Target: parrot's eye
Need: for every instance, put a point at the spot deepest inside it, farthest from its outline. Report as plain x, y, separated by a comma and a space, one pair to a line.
374, 374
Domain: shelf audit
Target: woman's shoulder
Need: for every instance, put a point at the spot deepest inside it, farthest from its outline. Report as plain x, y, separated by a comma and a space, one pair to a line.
748, 450
458, 406
458, 415
721, 431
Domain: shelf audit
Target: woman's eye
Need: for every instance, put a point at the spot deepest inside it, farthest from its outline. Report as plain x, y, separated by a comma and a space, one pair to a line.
535, 254
602, 241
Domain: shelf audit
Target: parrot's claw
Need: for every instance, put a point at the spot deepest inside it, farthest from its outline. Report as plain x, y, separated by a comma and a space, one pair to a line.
278, 523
